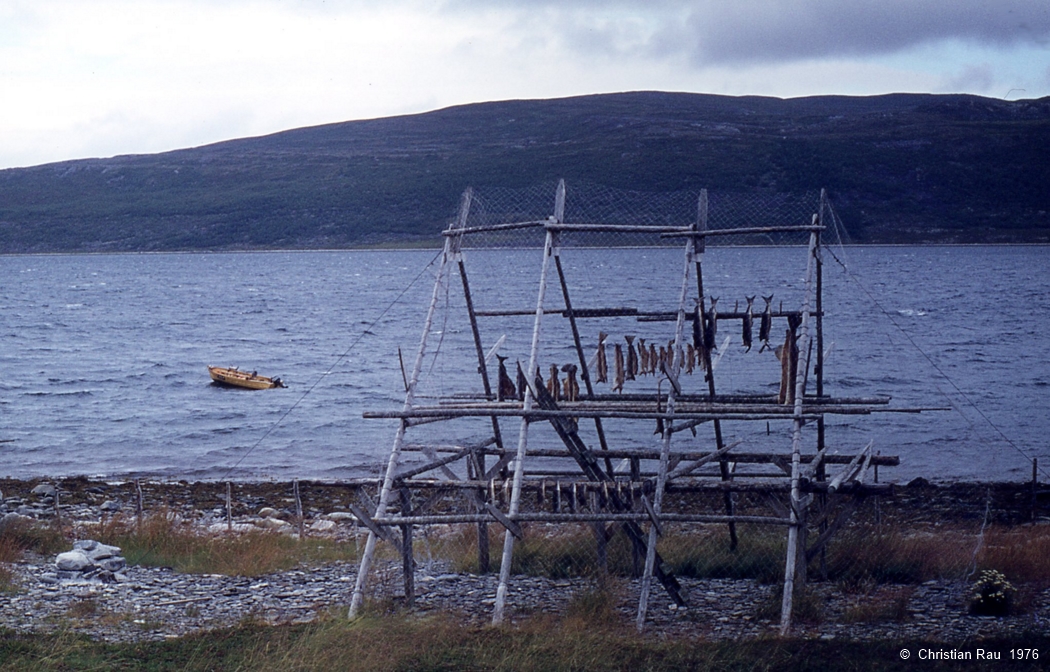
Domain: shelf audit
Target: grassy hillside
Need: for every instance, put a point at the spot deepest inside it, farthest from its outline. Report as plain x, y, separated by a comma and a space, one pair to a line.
899, 168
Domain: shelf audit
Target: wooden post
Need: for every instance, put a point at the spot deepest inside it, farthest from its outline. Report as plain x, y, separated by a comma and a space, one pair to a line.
1035, 487
138, 505
584, 372
483, 528
723, 465
394, 460
523, 431
229, 507
793, 569
661, 477
408, 562
298, 507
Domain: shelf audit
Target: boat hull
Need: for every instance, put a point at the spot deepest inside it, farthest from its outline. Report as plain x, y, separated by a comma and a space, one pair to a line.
234, 377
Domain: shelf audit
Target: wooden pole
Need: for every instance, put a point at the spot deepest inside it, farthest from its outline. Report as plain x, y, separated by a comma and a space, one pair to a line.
408, 561
298, 508
229, 507
723, 465
357, 599
793, 568
661, 476
482, 531
584, 373
138, 504
523, 432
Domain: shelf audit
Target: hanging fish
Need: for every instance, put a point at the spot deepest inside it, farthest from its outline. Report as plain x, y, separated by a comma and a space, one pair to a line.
679, 358
570, 388
766, 323
603, 365
690, 357
506, 389
663, 355
619, 379
632, 358
698, 332
643, 357
748, 321
522, 383
652, 359
711, 325
553, 384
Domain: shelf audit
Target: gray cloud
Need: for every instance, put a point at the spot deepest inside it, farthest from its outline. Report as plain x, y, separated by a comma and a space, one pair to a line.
767, 30
712, 32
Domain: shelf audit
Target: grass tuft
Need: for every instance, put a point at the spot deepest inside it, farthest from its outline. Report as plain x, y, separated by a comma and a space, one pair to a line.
163, 540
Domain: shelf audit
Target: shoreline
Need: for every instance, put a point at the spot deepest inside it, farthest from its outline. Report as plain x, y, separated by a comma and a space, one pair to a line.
919, 502
157, 603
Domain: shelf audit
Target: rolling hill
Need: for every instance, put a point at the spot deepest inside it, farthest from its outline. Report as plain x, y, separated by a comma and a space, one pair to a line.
899, 168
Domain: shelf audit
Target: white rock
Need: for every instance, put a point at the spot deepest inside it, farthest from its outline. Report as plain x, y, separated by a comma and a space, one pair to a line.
322, 525
221, 528
44, 490
340, 515
73, 561
267, 512
272, 523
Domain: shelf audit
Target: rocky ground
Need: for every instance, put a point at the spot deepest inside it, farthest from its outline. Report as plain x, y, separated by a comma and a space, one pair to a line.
156, 603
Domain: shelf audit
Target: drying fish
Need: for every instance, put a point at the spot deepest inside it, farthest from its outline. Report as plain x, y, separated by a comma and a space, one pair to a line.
711, 325
523, 383
603, 365
659, 421
766, 323
652, 359
506, 389
690, 357
632, 358
749, 319
619, 379
679, 358
570, 388
553, 384
643, 357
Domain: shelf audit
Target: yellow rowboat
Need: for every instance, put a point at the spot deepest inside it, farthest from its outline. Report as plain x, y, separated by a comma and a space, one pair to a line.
237, 378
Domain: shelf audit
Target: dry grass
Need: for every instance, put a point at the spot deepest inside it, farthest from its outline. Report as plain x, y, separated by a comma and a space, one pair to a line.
21, 535
865, 555
162, 540
1022, 554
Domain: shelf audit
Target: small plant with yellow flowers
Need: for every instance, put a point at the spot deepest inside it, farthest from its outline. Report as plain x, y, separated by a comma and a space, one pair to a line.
992, 594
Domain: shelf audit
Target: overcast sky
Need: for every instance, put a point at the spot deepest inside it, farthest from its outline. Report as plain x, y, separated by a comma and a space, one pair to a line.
87, 78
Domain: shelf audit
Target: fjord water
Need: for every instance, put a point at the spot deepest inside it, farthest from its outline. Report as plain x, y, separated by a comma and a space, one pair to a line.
104, 356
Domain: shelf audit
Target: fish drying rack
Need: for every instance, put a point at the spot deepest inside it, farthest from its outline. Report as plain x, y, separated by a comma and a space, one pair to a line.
629, 498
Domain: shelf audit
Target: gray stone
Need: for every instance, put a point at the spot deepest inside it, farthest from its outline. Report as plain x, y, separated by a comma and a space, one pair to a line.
73, 561
110, 505
44, 490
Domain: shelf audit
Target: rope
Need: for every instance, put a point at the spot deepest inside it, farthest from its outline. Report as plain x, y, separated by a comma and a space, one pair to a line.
929, 359
336, 363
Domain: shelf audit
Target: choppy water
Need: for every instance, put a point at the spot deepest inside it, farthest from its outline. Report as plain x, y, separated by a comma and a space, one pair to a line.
104, 356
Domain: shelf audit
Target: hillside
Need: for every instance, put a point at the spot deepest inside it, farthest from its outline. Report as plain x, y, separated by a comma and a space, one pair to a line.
899, 168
